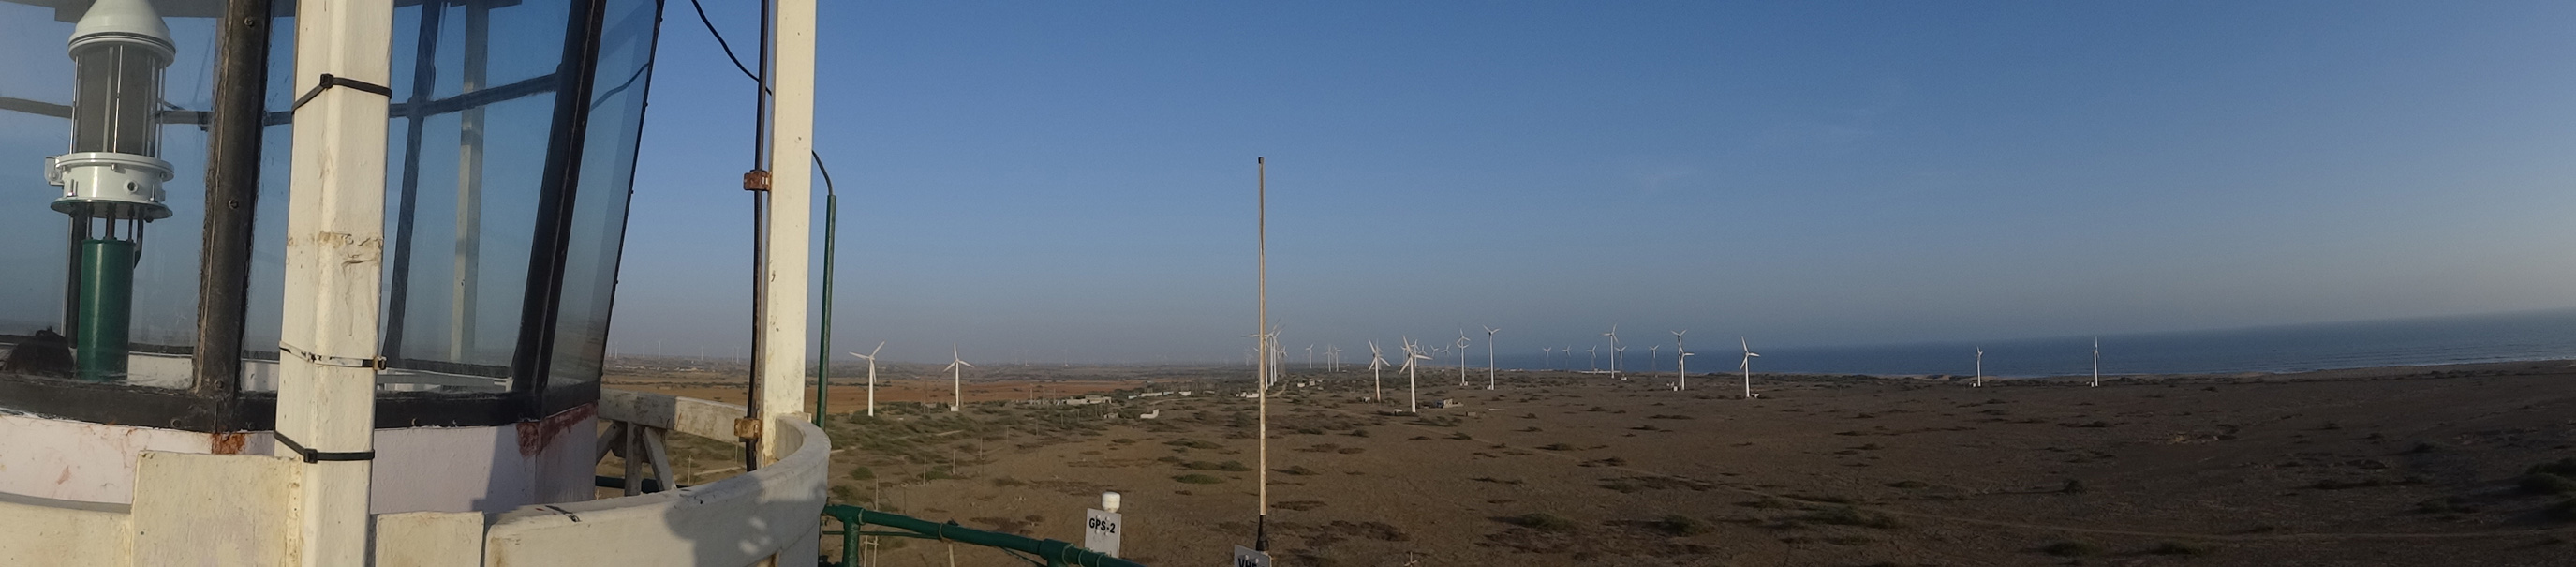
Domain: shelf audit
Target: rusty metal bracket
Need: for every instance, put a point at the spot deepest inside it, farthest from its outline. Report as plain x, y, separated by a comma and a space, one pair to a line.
755, 180
746, 427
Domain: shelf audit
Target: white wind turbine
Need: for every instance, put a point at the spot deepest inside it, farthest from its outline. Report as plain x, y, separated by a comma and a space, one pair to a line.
1654, 357
1616, 353
1547, 357
1681, 362
1462, 358
1412, 392
956, 379
1595, 351
872, 376
1489, 356
1377, 360
1310, 358
1981, 368
1614, 350
2097, 362
1747, 365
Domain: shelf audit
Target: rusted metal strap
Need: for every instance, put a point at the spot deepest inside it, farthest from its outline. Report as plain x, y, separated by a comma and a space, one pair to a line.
330, 80
376, 363
312, 456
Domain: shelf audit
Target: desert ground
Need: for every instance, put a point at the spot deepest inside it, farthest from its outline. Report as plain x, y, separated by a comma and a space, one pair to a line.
2456, 465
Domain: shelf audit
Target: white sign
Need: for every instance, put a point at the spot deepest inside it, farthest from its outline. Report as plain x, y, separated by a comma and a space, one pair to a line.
1246, 557
1100, 532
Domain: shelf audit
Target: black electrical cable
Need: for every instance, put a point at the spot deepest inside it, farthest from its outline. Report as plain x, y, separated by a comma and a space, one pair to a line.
747, 74
720, 42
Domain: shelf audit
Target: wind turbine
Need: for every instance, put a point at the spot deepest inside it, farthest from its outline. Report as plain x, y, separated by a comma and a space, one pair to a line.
1489, 356
1681, 362
1614, 350
2097, 362
956, 379
1617, 352
1310, 358
1654, 356
1377, 360
1595, 351
872, 376
1747, 365
1412, 392
1547, 357
1981, 368
1462, 358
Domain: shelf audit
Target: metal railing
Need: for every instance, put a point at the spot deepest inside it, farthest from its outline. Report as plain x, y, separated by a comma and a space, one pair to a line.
1047, 552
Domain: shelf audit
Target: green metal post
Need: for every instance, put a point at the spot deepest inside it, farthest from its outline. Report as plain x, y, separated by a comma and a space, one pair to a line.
1054, 553
823, 353
106, 306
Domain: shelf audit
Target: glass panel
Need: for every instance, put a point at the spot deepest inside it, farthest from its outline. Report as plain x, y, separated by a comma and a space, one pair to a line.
39, 83
466, 145
606, 183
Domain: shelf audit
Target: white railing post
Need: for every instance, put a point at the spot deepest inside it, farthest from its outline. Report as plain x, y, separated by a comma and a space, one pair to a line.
791, 222
334, 251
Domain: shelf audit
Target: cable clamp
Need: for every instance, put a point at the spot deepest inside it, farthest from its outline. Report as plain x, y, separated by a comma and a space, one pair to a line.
330, 80
376, 363
312, 456
755, 180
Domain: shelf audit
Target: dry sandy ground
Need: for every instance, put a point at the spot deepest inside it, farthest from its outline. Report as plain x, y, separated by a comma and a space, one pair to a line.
2411, 466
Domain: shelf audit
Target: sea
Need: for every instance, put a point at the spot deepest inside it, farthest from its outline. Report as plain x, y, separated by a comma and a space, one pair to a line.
2506, 337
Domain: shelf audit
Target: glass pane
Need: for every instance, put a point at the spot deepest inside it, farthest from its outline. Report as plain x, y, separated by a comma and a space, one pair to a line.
38, 86
466, 146
606, 183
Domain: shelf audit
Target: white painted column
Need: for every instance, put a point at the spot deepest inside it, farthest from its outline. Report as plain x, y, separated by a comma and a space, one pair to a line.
334, 262
791, 223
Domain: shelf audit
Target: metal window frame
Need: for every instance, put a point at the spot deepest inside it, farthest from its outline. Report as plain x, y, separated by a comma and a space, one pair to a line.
215, 400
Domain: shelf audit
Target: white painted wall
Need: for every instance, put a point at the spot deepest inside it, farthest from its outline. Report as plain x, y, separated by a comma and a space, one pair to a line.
442, 469
76, 460
36, 531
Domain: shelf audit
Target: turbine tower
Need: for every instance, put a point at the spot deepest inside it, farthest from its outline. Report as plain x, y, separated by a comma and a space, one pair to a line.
1595, 351
1462, 358
1412, 391
1547, 358
1614, 350
1489, 356
1654, 357
1981, 368
956, 379
1618, 352
2097, 362
1377, 382
1681, 362
872, 376
1747, 365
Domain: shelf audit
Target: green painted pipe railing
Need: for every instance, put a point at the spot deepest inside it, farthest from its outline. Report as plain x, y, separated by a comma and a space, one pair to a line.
1048, 552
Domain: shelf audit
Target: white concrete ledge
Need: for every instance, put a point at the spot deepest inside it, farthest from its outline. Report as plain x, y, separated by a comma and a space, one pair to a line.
736, 521
45, 531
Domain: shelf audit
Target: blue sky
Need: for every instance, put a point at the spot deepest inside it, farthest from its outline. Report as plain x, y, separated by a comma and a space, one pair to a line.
1073, 181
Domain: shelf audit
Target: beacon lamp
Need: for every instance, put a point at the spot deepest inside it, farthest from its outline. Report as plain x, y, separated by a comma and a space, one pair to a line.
112, 178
